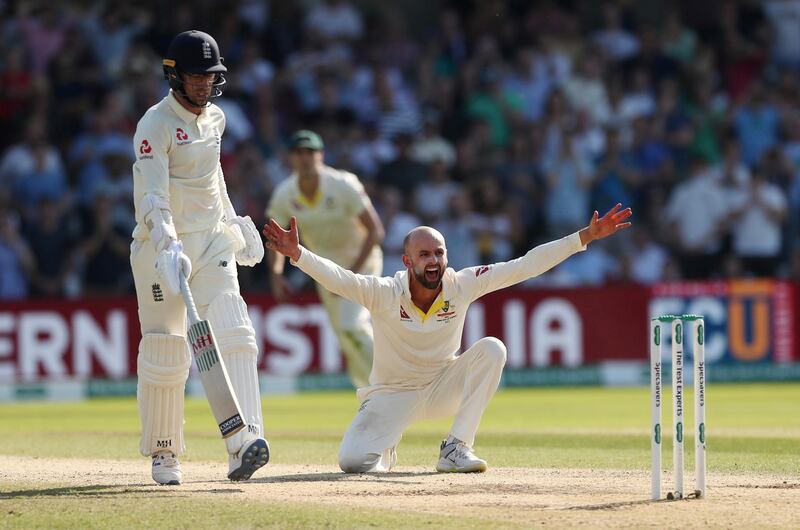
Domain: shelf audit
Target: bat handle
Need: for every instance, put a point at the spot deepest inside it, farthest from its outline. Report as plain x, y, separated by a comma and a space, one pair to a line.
191, 310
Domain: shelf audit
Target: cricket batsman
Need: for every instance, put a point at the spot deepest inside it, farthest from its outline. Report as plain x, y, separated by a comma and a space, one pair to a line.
187, 225
418, 317
337, 221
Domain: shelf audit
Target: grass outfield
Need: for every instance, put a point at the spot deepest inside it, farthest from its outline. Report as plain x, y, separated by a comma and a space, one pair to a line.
751, 429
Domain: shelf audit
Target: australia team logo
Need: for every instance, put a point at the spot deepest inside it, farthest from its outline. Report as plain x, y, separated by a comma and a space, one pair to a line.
446, 313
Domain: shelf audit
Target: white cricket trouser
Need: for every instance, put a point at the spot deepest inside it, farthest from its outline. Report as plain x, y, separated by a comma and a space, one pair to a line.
162, 315
353, 326
463, 389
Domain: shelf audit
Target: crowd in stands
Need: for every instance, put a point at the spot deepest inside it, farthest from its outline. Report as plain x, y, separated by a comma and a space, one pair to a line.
503, 124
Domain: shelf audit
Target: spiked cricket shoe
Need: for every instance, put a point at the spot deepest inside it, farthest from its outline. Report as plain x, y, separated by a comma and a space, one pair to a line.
253, 455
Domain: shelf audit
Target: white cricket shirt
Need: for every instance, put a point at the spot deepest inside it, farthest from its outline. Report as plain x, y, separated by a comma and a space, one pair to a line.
411, 348
177, 158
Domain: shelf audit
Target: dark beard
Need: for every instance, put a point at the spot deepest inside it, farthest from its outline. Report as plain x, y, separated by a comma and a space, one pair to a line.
425, 283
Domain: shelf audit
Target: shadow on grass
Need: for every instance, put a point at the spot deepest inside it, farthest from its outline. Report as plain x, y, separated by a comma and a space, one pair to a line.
339, 477
110, 490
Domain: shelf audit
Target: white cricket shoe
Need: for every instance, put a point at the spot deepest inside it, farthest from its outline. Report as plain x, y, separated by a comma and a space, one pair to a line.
253, 455
387, 461
456, 457
167, 469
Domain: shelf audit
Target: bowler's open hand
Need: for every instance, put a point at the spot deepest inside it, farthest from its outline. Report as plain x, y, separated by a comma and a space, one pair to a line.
286, 242
610, 223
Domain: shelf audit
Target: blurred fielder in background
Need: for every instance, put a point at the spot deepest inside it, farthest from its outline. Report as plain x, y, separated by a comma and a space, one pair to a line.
337, 221
187, 225
419, 319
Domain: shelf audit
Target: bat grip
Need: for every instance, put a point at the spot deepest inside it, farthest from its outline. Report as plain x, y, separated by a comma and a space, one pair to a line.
191, 310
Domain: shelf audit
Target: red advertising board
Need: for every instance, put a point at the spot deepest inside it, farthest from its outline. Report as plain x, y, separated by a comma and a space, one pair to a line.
98, 338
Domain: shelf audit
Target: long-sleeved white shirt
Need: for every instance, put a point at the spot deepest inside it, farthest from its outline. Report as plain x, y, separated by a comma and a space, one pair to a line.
412, 347
177, 159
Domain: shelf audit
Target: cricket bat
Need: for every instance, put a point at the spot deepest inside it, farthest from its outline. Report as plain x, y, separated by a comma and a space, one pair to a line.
213, 375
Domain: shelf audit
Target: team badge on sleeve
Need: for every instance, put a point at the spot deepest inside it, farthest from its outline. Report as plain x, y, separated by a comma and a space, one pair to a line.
480, 270
144, 150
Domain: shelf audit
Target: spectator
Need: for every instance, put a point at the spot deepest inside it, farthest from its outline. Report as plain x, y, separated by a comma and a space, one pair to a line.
585, 270
492, 104
42, 27
43, 178
335, 20
16, 87
105, 251
496, 223
586, 91
459, 227
617, 43
53, 238
783, 16
434, 192
757, 124
645, 261
403, 173
696, 217
617, 176
74, 74
431, 146
397, 223
759, 213
568, 180
16, 259
112, 29
253, 70
531, 82
32, 154
640, 100
678, 42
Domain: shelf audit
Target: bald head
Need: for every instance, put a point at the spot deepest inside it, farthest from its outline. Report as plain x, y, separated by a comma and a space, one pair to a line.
425, 257
422, 234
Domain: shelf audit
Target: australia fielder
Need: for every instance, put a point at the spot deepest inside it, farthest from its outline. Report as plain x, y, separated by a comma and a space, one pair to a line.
186, 224
337, 221
418, 316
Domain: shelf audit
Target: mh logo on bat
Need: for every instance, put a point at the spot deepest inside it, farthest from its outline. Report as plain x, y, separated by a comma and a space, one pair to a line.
202, 342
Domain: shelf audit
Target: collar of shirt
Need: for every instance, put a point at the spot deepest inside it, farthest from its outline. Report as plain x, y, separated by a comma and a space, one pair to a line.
438, 303
311, 203
185, 115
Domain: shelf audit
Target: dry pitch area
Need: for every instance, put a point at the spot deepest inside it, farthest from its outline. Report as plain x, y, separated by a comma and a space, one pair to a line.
514, 496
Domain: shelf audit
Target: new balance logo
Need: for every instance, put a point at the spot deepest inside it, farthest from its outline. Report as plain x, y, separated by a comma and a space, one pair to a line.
158, 294
481, 270
403, 314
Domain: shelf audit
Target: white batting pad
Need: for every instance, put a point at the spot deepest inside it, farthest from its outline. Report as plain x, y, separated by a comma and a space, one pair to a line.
236, 339
163, 366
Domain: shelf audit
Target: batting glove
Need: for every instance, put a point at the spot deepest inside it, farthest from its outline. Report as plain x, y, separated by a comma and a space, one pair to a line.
252, 252
169, 264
